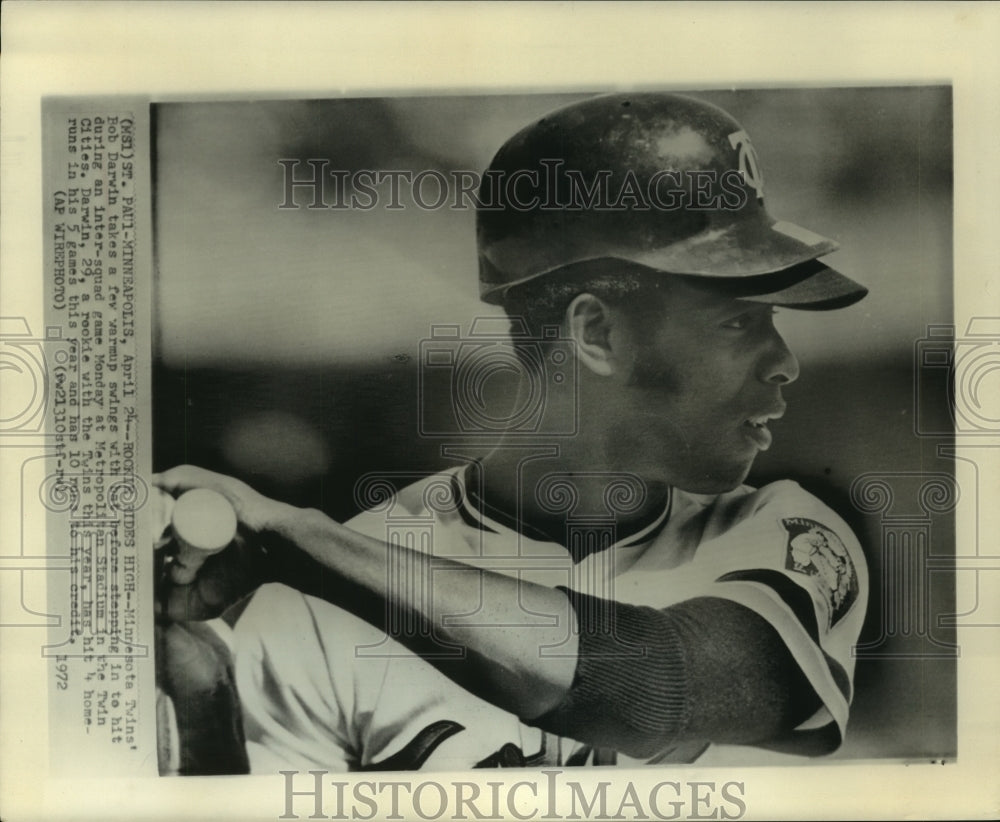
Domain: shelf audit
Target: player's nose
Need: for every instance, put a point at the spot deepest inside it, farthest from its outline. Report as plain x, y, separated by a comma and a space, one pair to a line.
777, 363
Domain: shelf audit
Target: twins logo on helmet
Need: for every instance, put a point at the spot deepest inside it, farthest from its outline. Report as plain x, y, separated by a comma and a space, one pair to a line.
749, 164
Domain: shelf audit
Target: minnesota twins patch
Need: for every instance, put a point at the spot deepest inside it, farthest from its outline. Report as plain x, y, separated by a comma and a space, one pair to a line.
815, 550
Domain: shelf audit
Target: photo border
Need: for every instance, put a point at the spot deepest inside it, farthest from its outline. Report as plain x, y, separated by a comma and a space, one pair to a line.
218, 51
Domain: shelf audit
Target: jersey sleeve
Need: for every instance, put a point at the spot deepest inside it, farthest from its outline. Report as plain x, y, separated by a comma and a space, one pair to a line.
789, 558
661, 685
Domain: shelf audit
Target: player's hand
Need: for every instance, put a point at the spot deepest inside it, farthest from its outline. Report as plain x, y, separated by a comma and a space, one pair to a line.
228, 576
255, 513
222, 581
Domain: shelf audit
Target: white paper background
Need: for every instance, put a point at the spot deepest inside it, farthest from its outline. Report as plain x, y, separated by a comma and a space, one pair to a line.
218, 50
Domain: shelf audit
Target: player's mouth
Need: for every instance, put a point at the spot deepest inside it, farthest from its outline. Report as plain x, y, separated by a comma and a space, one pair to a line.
757, 431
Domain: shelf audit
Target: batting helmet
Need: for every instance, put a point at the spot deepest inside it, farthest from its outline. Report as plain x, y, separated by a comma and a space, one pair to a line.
662, 180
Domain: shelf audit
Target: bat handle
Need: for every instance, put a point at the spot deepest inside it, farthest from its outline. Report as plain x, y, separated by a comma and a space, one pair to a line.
203, 523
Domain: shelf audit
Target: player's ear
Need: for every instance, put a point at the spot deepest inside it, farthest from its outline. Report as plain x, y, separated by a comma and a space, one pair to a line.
589, 323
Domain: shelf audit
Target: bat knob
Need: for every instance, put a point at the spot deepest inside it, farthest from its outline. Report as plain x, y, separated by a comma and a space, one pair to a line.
203, 523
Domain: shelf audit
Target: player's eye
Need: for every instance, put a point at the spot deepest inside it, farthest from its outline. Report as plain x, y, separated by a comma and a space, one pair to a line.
748, 318
740, 321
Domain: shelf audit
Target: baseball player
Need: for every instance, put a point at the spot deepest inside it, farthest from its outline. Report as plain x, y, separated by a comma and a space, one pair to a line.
601, 587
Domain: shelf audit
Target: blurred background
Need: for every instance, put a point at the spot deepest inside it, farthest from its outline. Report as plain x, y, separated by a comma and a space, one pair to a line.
287, 341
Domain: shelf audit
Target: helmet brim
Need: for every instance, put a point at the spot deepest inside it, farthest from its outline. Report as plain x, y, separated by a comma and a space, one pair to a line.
762, 260
821, 289
735, 248
770, 261
811, 285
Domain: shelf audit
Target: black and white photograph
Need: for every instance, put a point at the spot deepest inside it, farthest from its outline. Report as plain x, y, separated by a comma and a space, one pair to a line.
448, 411
554, 429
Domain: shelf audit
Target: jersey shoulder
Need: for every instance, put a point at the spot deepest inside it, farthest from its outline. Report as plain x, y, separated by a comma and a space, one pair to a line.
783, 528
781, 496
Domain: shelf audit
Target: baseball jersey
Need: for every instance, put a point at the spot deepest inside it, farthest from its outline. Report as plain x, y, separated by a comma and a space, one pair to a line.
322, 688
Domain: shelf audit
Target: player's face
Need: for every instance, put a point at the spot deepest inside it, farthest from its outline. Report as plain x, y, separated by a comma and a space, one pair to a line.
706, 377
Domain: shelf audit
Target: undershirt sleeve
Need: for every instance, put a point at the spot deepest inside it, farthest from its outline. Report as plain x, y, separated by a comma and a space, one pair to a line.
706, 669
